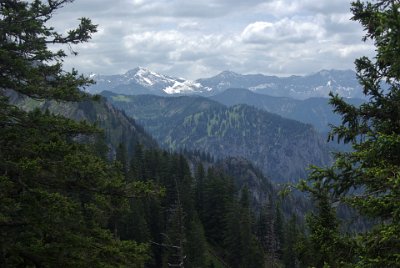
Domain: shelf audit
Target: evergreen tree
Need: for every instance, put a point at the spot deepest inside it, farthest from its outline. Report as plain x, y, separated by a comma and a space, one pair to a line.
57, 196
175, 237
100, 146
233, 244
136, 167
196, 247
278, 230
134, 224
289, 245
199, 190
261, 228
242, 247
267, 232
122, 158
219, 196
373, 129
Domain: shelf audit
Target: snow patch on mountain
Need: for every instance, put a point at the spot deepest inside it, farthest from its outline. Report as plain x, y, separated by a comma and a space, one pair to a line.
262, 86
143, 81
147, 78
186, 87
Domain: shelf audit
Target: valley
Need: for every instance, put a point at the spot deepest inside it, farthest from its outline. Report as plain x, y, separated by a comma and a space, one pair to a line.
225, 146
280, 147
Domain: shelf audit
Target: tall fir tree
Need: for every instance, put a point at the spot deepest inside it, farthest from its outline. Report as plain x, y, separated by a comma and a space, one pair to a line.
199, 190
56, 196
289, 245
367, 179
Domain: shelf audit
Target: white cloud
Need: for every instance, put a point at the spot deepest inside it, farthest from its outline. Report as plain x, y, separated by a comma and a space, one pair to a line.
176, 48
305, 7
199, 38
190, 25
285, 30
325, 6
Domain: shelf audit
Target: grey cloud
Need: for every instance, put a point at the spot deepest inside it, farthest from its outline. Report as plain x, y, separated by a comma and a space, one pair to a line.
161, 8
326, 7
286, 30
196, 38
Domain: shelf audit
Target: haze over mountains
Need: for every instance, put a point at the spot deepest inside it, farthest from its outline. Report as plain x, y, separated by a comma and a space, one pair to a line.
315, 111
143, 81
281, 147
248, 116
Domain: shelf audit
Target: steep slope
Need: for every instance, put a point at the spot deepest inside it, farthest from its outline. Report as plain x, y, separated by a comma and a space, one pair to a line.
245, 174
149, 110
282, 148
116, 125
315, 111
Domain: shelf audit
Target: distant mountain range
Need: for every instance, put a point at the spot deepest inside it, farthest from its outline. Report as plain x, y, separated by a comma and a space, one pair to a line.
143, 81
282, 148
319, 84
315, 111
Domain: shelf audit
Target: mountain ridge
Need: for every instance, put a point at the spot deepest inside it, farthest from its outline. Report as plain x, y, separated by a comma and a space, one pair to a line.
282, 148
143, 81
316, 111
117, 126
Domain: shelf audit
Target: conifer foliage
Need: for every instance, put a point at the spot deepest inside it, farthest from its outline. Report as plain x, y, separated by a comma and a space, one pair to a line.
57, 197
368, 178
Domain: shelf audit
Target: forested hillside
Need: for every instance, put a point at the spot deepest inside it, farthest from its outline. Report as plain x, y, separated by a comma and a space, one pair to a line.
117, 127
282, 148
210, 218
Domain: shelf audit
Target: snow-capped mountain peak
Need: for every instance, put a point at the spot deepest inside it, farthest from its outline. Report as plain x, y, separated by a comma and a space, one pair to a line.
146, 78
144, 81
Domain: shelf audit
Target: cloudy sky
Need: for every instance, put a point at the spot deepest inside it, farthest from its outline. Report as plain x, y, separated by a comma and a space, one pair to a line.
200, 38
